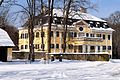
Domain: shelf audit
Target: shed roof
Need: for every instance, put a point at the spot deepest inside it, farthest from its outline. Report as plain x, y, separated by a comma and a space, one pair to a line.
5, 40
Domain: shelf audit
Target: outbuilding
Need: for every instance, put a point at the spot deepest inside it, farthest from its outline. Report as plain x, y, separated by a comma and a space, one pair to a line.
6, 45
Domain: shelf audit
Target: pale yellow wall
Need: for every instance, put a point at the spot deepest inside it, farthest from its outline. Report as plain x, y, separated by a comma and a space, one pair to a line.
76, 29
9, 54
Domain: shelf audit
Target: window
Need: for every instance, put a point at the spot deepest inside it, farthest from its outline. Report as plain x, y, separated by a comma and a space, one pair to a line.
42, 34
98, 48
104, 47
70, 34
75, 34
36, 46
87, 34
22, 47
51, 33
62, 45
109, 47
81, 28
52, 46
37, 34
26, 35
92, 48
108, 37
22, 36
98, 35
92, 35
70, 46
57, 45
42, 46
26, 46
57, 34
103, 36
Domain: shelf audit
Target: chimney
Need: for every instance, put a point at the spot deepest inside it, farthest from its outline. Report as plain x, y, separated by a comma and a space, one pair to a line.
83, 10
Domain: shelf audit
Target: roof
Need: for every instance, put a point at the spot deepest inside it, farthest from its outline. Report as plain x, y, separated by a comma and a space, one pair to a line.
77, 15
5, 40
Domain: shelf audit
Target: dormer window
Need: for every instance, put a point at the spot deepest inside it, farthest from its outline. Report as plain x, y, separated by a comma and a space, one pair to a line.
105, 25
91, 24
98, 25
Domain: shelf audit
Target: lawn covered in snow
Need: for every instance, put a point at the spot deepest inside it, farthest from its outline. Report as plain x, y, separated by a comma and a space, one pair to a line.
66, 70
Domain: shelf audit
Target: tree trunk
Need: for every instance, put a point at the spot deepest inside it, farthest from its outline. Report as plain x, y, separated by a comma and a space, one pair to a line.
66, 13
50, 13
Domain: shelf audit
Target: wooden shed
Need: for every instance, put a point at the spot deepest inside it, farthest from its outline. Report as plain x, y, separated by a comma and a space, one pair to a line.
6, 45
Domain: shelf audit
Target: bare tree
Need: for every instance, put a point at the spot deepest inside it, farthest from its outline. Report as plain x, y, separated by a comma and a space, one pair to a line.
50, 15
114, 22
68, 7
1, 2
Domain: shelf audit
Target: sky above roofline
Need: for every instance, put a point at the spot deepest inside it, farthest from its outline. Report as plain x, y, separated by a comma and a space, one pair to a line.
105, 8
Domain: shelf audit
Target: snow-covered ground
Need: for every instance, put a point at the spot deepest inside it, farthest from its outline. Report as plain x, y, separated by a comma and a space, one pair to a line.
66, 70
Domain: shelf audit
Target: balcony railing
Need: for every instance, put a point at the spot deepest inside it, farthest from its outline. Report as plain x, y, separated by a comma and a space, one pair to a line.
88, 39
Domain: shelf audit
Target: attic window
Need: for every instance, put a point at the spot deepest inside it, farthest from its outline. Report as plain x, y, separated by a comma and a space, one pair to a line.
98, 25
81, 28
105, 25
91, 24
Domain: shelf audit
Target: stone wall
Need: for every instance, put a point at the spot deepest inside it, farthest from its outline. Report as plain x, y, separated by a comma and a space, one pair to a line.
89, 57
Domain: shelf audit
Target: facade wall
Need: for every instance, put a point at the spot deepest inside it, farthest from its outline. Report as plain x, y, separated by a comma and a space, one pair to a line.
81, 42
9, 54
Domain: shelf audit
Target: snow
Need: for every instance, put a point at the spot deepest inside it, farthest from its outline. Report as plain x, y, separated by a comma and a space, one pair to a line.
77, 15
66, 70
102, 29
5, 39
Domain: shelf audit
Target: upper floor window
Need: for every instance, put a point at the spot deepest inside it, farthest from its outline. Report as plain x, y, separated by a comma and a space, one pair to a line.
52, 46
26, 35
57, 45
42, 34
98, 48
108, 37
22, 36
109, 47
103, 36
87, 34
92, 35
37, 34
57, 33
104, 47
70, 46
51, 33
75, 34
70, 34
98, 35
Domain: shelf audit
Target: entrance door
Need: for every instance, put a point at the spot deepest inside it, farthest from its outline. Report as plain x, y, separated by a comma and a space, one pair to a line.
3, 54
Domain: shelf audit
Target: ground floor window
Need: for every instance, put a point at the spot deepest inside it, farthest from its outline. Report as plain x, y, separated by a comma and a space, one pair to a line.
80, 49
92, 48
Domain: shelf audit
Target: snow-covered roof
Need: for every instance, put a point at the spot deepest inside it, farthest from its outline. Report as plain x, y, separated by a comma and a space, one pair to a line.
102, 29
77, 15
5, 40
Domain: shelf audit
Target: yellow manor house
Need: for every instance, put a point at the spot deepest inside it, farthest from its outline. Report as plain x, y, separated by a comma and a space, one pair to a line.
88, 37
